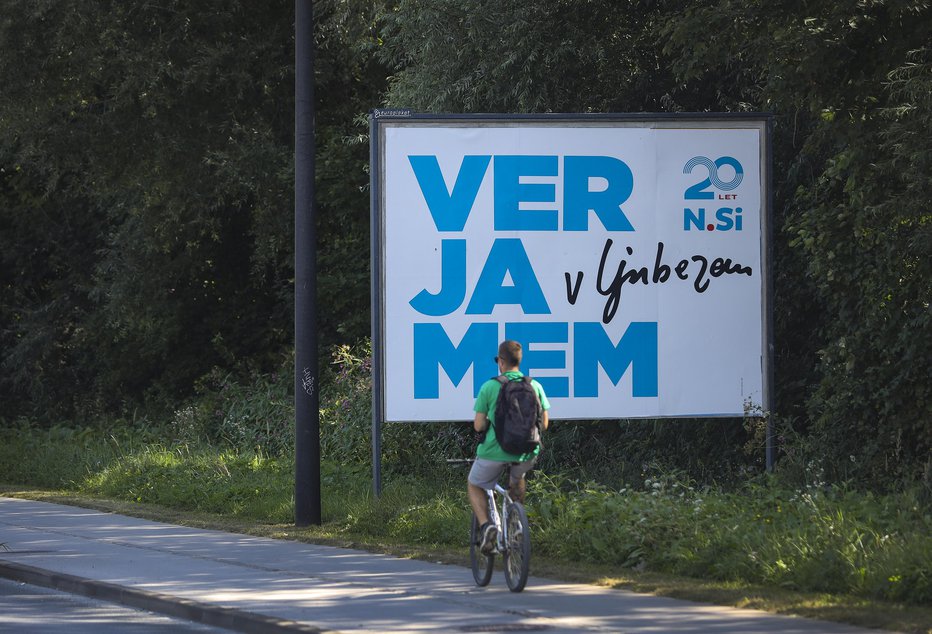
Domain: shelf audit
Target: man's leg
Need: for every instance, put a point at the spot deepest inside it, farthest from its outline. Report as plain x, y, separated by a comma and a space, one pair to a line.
478, 500
483, 474
517, 489
517, 485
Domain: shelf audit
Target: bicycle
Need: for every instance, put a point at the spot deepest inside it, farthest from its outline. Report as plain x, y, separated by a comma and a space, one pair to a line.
513, 541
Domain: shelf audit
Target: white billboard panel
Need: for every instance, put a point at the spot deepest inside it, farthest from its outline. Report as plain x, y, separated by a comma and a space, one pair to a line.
627, 256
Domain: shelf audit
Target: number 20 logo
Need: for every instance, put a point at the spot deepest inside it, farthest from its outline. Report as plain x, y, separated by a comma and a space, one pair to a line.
700, 191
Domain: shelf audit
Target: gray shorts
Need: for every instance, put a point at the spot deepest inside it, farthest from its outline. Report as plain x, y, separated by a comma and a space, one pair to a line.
485, 473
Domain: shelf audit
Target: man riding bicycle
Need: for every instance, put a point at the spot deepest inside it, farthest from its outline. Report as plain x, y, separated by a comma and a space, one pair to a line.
491, 459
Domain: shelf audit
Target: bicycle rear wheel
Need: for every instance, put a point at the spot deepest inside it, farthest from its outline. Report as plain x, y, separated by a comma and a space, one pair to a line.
517, 548
481, 563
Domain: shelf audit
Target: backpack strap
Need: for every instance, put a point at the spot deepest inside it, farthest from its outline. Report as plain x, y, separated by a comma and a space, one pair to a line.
480, 436
538, 422
503, 379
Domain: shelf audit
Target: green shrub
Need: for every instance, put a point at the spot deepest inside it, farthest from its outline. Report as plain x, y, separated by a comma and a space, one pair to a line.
346, 422
252, 415
346, 405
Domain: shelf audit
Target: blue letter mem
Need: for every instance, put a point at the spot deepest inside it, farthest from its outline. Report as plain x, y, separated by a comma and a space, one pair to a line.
452, 282
449, 210
637, 349
510, 192
433, 350
578, 200
507, 256
527, 333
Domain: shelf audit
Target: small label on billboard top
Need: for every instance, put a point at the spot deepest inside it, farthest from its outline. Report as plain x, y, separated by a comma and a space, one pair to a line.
381, 113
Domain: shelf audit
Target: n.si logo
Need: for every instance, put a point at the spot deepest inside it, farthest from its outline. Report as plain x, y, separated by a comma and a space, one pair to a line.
726, 218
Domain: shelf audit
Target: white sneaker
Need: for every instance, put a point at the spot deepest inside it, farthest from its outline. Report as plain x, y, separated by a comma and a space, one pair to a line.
489, 537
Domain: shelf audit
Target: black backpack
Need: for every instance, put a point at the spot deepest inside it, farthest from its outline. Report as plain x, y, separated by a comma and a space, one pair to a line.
518, 414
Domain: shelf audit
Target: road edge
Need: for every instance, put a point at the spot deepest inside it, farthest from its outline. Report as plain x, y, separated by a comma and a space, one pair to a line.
169, 605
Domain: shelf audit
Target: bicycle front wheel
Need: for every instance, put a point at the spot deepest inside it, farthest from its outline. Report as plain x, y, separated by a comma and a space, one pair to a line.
517, 548
481, 563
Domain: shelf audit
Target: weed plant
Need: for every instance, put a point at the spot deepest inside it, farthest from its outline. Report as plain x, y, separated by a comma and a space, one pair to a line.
346, 422
256, 414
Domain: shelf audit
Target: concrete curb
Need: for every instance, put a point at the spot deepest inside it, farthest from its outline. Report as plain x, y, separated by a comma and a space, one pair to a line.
179, 607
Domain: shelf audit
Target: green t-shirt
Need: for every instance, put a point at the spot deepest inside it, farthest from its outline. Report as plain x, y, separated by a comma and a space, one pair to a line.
485, 403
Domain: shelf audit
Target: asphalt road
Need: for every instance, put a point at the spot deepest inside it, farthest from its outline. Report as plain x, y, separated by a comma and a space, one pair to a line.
26, 609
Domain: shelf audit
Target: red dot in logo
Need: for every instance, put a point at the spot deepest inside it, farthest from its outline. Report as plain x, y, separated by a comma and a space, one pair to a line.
710, 228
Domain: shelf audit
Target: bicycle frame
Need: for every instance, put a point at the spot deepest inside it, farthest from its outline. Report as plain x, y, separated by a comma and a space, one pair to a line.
499, 519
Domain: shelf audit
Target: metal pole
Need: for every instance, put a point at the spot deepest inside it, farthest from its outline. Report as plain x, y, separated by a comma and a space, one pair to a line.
769, 390
307, 400
375, 235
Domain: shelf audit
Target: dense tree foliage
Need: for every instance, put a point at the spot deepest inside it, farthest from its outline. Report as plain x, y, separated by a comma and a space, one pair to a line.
146, 183
147, 201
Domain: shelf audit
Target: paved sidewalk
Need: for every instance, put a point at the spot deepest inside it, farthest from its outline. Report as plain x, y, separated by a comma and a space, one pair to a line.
252, 584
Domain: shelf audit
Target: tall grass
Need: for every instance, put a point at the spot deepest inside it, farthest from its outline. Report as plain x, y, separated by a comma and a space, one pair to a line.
238, 484
820, 539
63, 456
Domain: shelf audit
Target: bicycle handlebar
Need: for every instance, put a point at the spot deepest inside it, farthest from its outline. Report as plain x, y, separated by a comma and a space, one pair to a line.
460, 461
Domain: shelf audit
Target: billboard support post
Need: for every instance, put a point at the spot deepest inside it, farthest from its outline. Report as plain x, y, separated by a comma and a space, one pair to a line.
769, 385
376, 273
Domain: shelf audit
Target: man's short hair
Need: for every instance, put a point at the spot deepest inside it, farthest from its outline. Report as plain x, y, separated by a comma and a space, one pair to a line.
510, 353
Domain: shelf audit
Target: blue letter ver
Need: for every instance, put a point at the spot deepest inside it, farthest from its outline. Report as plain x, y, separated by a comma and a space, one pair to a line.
578, 200
449, 209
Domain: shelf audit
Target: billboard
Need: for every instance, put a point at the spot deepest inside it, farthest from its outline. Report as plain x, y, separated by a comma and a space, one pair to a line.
627, 254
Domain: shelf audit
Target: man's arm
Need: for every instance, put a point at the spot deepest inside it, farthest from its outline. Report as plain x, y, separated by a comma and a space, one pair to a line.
480, 422
545, 406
